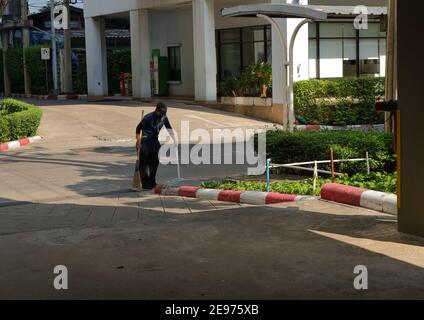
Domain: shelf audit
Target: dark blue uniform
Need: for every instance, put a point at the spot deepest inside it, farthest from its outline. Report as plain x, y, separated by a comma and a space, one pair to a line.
149, 128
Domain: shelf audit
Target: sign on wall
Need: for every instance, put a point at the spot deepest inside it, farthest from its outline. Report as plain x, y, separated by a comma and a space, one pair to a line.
45, 53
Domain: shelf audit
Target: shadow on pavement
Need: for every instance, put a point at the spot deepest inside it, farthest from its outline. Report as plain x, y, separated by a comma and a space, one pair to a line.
246, 253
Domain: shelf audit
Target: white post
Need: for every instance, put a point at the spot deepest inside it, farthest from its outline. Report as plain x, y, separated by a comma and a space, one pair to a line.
315, 175
54, 49
140, 53
291, 114
205, 69
279, 65
96, 57
368, 163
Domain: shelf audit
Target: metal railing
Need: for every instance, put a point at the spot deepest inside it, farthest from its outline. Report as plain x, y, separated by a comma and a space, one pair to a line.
315, 170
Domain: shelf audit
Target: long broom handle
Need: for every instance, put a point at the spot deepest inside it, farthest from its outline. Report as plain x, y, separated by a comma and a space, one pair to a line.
138, 151
178, 163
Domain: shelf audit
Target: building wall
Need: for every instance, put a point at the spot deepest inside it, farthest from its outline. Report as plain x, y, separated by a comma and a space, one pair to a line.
171, 28
174, 25
377, 3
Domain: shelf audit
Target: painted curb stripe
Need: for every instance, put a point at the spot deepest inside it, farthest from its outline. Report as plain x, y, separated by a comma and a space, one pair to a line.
312, 127
369, 199
372, 200
158, 189
230, 196
343, 194
24, 142
13, 145
245, 197
390, 204
251, 197
61, 97
273, 198
208, 194
189, 192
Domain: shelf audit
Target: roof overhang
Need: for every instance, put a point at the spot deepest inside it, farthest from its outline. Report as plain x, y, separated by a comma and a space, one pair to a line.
350, 11
275, 11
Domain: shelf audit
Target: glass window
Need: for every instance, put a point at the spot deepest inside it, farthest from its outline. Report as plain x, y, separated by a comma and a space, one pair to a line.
230, 35
253, 34
239, 47
331, 62
349, 49
174, 59
230, 60
253, 52
368, 49
312, 58
382, 57
268, 33
312, 30
373, 31
349, 30
337, 30
331, 30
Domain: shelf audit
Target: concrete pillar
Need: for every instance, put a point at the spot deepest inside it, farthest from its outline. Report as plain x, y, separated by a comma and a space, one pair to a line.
26, 44
140, 53
96, 57
279, 71
410, 27
205, 69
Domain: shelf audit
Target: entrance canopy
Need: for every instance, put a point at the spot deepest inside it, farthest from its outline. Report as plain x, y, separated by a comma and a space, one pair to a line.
275, 11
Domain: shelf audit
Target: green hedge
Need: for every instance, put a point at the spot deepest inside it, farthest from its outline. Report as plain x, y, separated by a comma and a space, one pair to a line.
80, 75
18, 120
344, 101
284, 147
1, 72
118, 60
37, 70
15, 67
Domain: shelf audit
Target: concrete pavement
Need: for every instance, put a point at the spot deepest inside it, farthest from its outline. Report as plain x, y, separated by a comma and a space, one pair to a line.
89, 149
65, 201
173, 248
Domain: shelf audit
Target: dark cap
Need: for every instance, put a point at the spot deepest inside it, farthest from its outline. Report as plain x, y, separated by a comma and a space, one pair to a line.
162, 108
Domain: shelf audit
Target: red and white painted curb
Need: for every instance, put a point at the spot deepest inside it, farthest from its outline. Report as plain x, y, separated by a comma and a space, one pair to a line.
50, 97
244, 197
339, 128
13, 145
379, 201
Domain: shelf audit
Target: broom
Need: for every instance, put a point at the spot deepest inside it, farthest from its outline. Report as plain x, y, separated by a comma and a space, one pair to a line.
136, 184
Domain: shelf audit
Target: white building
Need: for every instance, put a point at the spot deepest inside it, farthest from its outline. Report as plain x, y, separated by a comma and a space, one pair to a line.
204, 47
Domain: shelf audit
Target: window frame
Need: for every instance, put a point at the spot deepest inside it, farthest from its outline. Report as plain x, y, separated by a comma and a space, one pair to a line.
172, 64
317, 38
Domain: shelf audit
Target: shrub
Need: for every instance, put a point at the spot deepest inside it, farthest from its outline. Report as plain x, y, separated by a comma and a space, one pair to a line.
18, 120
345, 101
37, 70
118, 60
1, 72
301, 146
15, 66
382, 182
80, 73
255, 80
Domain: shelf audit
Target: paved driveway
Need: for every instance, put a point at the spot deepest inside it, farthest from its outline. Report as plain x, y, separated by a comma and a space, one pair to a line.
65, 201
89, 149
